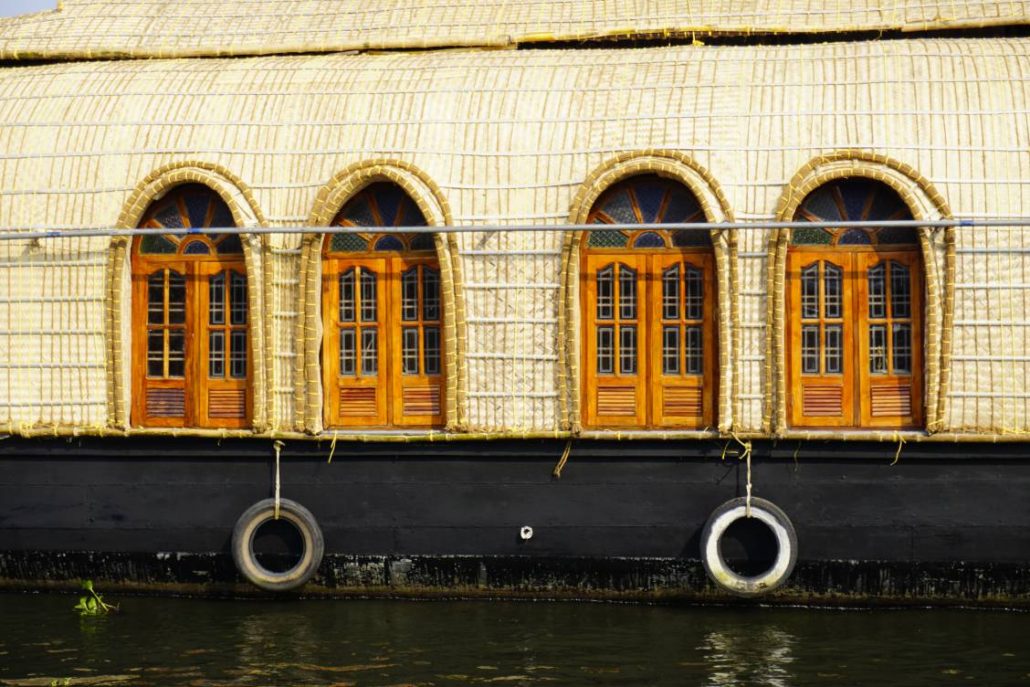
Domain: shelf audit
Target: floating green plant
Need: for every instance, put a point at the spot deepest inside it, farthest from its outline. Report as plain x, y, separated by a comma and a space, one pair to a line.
94, 603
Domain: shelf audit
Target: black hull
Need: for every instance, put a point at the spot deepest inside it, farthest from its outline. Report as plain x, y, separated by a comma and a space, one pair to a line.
946, 523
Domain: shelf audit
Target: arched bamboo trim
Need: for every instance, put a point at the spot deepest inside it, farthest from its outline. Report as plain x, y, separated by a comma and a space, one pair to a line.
246, 213
679, 167
435, 208
925, 202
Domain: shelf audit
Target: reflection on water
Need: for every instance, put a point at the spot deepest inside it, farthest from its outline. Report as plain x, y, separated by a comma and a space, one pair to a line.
178, 642
749, 655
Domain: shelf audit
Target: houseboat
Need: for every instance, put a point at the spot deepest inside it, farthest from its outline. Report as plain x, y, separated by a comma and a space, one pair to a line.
636, 300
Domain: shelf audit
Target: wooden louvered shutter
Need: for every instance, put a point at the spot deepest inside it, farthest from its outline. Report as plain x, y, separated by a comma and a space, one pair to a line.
889, 341
615, 339
159, 345
416, 340
682, 340
222, 320
354, 320
820, 331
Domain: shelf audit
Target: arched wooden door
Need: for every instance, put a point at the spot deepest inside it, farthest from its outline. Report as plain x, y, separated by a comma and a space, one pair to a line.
855, 304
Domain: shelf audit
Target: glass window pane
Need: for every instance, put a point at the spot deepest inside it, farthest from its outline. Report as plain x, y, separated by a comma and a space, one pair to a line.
216, 299
409, 350
156, 298
605, 350
877, 292
238, 302
430, 294
901, 291
348, 352
605, 293
431, 350
671, 293
671, 350
627, 293
156, 353
176, 298
695, 351
878, 349
649, 239
833, 280
369, 294
176, 353
833, 349
902, 348
347, 296
409, 295
628, 350
810, 292
238, 355
695, 296
810, 349
216, 354
369, 351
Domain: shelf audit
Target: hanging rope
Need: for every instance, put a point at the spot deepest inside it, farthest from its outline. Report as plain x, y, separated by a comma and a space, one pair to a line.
564, 459
332, 448
278, 446
746, 457
901, 444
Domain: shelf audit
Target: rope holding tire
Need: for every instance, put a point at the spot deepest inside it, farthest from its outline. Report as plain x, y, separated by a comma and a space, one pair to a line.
243, 544
775, 519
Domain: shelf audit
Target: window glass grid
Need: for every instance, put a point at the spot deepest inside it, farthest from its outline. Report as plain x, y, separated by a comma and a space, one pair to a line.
628, 349
694, 294
810, 349
369, 351
810, 292
671, 350
694, 350
409, 350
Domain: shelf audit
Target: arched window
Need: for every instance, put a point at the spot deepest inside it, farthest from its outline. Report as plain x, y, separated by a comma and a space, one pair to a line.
855, 307
190, 320
648, 311
383, 350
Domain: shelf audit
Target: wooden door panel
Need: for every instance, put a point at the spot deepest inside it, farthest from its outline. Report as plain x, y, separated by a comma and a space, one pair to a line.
355, 396
820, 340
220, 400
614, 397
416, 391
683, 368
890, 399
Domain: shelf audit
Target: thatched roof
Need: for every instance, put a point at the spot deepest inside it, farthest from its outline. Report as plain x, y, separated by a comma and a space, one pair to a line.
184, 28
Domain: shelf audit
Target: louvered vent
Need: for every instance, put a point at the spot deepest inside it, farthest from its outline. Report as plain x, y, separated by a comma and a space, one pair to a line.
822, 401
227, 403
166, 402
358, 401
890, 401
682, 401
617, 401
422, 401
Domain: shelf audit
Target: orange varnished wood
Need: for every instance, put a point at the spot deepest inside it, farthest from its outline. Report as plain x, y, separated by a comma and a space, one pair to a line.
394, 391
856, 385
648, 399
195, 384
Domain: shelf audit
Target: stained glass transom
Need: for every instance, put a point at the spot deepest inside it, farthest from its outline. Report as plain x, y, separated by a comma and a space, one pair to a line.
647, 199
852, 200
382, 204
191, 206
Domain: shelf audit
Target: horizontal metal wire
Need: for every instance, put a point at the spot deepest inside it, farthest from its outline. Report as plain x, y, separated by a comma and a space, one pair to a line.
48, 232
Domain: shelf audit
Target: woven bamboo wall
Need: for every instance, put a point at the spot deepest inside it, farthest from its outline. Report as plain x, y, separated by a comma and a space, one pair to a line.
188, 28
508, 137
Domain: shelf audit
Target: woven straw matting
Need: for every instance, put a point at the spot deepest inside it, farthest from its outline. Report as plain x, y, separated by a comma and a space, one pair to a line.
513, 137
184, 28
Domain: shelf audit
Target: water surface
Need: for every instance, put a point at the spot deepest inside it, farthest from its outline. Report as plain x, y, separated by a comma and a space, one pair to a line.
173, 642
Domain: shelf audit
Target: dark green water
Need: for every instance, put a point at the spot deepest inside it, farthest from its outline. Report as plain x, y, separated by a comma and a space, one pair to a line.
195, 643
